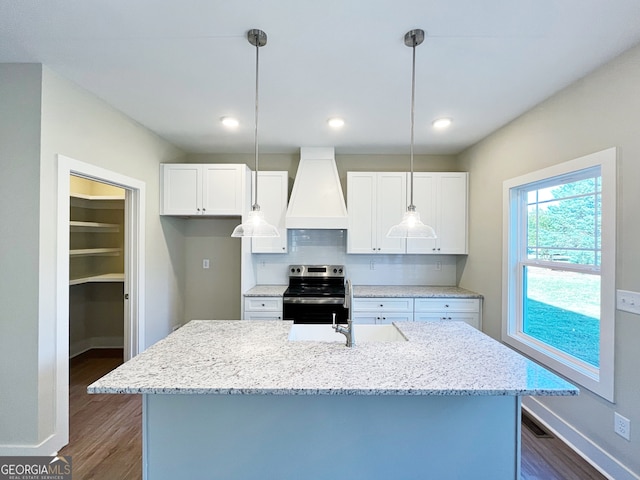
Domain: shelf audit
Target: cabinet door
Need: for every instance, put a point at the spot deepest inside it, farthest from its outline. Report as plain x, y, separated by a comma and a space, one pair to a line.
361, 187
391, 204
452, 213
424, 198
181, 189
272, 198
223, 189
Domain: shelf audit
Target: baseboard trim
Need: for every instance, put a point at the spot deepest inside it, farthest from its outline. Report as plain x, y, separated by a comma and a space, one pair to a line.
82, 346
601, 460
48, 447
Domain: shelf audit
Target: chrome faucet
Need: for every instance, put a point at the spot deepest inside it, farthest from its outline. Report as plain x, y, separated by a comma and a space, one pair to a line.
348, 330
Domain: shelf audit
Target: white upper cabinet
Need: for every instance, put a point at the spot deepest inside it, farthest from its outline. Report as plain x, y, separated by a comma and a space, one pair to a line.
272, 197
203, 189
376, 201
441, 200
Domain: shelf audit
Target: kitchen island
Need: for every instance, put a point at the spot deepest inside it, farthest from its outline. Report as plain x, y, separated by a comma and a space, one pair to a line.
232, 399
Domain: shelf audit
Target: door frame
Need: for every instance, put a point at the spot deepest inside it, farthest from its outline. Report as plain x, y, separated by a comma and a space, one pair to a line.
134, 261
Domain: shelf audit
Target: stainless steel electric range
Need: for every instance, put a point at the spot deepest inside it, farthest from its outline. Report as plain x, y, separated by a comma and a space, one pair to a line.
316, 293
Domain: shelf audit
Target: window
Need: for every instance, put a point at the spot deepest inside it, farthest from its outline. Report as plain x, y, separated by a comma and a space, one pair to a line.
559, 268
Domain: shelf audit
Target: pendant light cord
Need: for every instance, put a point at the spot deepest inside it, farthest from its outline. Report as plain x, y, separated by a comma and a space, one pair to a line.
255, 205
413, 101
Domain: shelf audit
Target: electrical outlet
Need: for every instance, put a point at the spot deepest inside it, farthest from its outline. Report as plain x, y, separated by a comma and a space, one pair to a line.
621, 425
628, 301
438, 266
372, 265
205, 263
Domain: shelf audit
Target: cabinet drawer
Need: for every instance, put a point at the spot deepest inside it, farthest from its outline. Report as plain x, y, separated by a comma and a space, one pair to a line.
383, 304
262, 316
472, 319
263, 304
447, 305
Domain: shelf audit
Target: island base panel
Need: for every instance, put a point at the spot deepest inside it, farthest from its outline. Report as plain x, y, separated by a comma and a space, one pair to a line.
336, 437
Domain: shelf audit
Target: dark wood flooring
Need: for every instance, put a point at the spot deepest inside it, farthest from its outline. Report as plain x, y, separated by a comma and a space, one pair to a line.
105, 439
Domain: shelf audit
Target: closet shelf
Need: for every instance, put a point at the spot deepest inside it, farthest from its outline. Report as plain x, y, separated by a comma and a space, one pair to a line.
106, 278
103, 252
96, 227
104, 202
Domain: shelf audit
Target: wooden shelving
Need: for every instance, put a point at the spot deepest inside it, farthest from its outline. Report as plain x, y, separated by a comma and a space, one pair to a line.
97, 201
106, 278
94, 227
99, 252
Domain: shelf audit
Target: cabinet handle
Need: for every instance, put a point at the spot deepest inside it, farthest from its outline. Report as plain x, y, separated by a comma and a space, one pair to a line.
434, 249
198, 209
204, 210
263, 304
378, 248
438, 249
446, 306
381, 305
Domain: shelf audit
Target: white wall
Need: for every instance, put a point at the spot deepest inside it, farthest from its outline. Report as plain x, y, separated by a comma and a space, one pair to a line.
20, 102
81, 126
600, 111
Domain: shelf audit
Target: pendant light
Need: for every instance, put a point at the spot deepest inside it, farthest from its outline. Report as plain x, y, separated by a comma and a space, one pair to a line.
411, 226
255, 224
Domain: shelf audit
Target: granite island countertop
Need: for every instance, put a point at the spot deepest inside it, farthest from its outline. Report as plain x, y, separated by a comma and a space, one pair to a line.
256, 358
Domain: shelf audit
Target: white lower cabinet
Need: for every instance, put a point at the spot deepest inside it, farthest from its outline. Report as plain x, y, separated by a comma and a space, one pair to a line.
382, 310
263, 308
444, 309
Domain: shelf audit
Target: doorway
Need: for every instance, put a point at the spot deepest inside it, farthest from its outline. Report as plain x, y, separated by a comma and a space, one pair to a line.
132, 270
96, 267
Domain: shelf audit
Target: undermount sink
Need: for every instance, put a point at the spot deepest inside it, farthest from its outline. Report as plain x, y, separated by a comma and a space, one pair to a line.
362, 333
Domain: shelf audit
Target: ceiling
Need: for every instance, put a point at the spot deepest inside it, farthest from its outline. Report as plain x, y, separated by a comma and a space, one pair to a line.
177, 66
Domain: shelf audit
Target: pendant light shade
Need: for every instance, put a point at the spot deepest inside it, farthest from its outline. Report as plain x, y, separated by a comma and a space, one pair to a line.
411, 226
255, 224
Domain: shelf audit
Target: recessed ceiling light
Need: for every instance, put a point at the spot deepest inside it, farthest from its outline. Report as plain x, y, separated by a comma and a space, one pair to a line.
230, 122
441, 123
336, 122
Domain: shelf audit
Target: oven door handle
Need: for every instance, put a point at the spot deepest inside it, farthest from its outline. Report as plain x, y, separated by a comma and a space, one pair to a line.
314, 300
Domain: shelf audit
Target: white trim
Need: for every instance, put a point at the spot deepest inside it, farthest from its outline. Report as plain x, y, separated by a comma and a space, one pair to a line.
92, 343
134, 270
48, 447
600, 382
601, 460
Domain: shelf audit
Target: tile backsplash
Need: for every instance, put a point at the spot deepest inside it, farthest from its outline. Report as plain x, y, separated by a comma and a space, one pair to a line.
330, 247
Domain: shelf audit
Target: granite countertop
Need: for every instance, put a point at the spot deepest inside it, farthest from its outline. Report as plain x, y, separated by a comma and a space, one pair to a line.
256, 358
266, 291
363, 291
416, 291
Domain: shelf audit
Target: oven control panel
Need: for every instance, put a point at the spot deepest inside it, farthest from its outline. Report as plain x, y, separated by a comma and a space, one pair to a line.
316, 271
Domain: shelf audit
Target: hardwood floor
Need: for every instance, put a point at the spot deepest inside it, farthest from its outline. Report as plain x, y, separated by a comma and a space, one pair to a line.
106, 439
105, 431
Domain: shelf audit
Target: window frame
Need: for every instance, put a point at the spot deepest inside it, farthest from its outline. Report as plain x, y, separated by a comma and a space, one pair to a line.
596, 379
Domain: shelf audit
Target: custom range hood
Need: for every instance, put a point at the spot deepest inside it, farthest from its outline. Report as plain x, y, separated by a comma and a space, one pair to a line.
316, 199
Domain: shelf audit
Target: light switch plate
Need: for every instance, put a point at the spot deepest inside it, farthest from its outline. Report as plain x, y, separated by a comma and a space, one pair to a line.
628, 301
